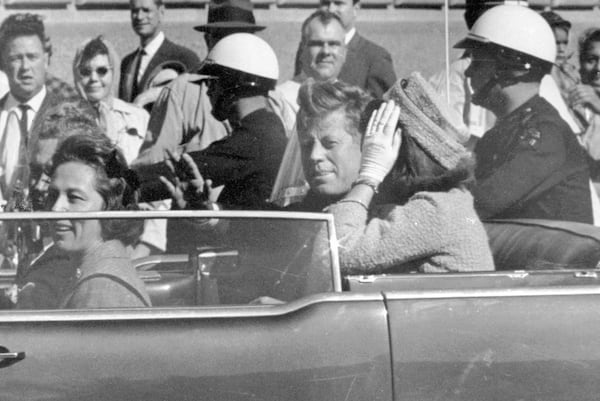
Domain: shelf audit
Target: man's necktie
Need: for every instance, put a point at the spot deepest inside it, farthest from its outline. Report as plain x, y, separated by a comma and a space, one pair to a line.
23, 122
14, 155
136, 73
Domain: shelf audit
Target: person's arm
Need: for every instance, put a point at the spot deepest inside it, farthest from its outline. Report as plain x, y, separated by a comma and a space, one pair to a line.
590, 138
103, 292
396, 235
380, 149
165, 129
586, 96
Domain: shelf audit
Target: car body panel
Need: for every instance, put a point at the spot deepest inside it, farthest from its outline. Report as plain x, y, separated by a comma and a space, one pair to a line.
509, 335
539, 344
310, 350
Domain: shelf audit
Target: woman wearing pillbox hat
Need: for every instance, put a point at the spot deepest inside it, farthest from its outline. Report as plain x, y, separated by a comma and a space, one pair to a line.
421, 217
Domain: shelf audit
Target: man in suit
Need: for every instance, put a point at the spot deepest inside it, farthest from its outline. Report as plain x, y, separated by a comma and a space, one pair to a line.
155, 52
24, 54
367, 65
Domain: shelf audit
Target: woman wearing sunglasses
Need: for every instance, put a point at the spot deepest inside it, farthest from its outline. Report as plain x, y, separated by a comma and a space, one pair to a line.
95, 70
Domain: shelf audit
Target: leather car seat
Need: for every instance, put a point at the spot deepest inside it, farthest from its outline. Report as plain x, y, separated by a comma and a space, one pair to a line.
524, 244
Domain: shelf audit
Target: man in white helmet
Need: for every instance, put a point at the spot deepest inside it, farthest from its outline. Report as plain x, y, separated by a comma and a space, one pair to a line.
529, 165
245, 69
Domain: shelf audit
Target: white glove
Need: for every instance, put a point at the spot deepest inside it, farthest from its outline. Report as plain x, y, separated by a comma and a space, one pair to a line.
381, 143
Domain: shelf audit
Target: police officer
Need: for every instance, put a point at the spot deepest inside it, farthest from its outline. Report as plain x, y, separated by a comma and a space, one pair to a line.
245, 162
529, 165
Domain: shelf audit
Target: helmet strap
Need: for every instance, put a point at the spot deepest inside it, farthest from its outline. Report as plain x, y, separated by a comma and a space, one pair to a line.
483, 93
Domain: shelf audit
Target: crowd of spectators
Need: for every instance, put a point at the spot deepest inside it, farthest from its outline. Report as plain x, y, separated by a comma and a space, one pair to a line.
406, 175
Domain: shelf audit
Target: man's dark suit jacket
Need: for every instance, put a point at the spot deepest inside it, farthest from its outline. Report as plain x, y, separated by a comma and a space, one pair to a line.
49, 101
367, 65
169, 55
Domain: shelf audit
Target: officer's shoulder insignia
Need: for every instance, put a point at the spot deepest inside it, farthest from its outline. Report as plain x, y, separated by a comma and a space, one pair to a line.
530, 137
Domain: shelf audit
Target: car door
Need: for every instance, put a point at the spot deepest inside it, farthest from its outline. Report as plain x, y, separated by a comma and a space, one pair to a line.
332, 347
526, 341
322, 345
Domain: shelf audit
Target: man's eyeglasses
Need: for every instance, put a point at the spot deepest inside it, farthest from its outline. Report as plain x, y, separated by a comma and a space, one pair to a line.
100, 71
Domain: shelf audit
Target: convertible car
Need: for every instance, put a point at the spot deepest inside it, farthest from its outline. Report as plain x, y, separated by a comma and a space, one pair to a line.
252, 306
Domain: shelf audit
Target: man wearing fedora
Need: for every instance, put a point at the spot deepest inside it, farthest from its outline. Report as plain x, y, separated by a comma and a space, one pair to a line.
181, 118
155, 52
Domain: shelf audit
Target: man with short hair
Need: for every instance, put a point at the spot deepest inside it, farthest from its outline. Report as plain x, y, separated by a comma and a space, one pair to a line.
155, 53
367, 64
24, 54
245, 69
181, 118
323, 52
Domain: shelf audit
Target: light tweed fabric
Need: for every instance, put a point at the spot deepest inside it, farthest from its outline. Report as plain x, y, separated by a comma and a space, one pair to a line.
432, 232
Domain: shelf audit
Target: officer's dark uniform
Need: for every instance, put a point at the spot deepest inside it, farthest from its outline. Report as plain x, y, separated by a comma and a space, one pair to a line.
245, 162
530, 165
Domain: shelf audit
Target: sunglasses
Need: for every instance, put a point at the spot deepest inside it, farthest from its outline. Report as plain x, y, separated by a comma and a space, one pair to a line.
100, 71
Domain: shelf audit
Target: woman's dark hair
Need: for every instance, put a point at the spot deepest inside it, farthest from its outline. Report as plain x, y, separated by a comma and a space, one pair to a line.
415, 170
95, 47
115, 183
67, 119
586, 39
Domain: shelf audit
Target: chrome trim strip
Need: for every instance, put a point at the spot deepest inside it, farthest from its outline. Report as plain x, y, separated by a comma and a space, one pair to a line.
494, 293
201, 312
157, 214
335, 262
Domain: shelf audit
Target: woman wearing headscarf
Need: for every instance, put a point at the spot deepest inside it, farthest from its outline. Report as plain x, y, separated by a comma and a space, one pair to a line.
95, 70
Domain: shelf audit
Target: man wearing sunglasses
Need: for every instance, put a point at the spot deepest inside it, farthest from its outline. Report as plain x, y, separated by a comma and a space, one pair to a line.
24, 55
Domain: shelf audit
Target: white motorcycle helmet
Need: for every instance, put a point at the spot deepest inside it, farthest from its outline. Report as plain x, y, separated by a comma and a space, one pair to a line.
243, 57
521, 36
245, 65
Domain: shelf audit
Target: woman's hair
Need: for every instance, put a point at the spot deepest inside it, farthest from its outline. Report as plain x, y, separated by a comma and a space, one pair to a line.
415, 170
67, 119
319, 99
89, 49
115, 183
95, 47
585, 41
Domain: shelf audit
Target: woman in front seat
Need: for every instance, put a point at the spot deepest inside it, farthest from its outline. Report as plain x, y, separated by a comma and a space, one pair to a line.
90, 174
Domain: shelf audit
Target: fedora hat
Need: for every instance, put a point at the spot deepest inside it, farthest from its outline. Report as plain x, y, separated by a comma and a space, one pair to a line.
230, 14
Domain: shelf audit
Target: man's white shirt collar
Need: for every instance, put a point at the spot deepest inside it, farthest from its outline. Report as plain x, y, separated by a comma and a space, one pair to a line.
349, 35
152, 47
35, 103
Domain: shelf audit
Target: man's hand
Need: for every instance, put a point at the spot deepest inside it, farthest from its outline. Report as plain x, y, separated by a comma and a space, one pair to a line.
188, 188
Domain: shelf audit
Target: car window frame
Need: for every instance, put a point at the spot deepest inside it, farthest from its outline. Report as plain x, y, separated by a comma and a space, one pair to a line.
182, 311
